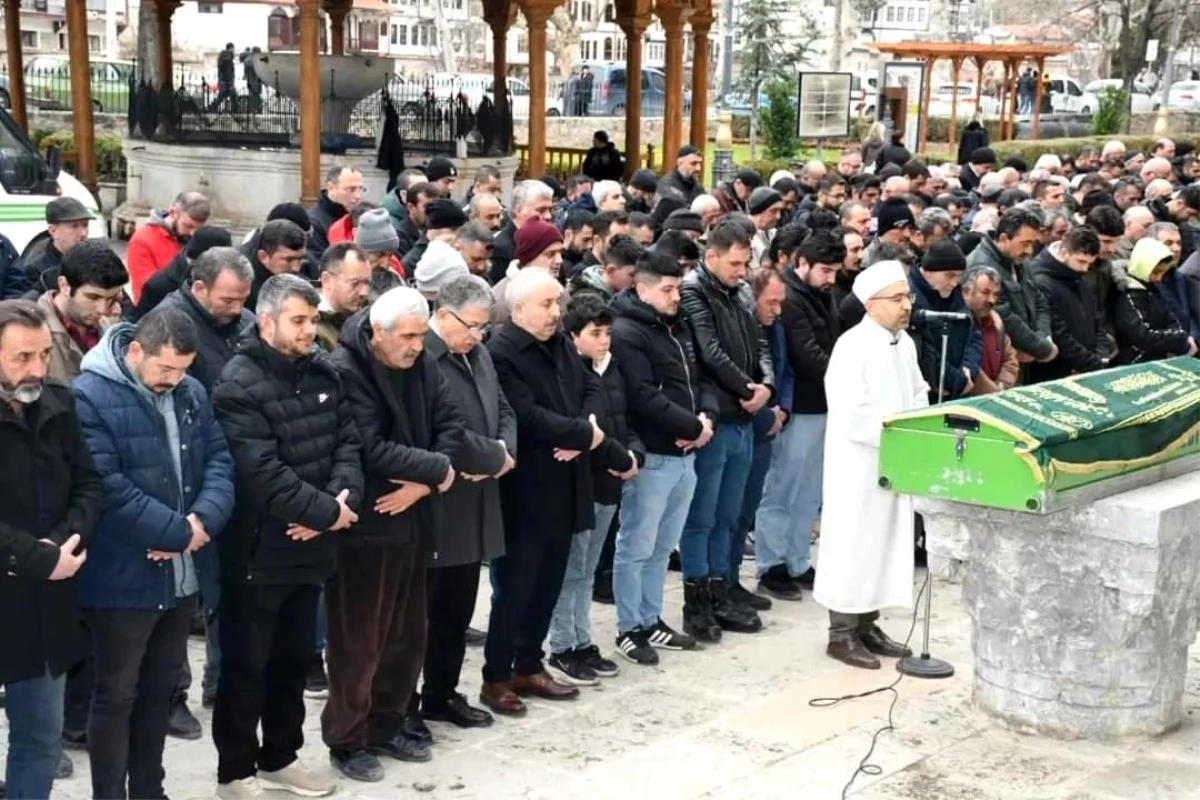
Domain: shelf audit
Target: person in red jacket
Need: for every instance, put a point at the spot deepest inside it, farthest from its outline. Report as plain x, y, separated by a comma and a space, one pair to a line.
156, 243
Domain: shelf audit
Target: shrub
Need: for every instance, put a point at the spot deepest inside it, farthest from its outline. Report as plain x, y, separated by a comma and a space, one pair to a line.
778, 120
1110, 116
939, 128
109, 153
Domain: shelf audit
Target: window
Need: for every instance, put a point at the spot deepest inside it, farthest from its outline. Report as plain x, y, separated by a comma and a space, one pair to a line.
210, 8
94, 44
587, 12
29, 39
383, 30
403, 34
608, 48
433, 36
912, 14
609, 13
522, 43
891, 14
424, 36
921, 15
395, 34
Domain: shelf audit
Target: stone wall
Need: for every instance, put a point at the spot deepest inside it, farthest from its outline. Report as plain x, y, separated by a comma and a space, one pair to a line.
64, 121
1178, 123
577, 131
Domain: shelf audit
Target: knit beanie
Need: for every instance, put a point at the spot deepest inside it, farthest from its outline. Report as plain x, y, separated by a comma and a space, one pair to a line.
763, 198
293, 212
375, 233
684, 220
439, 265
533, 238
444, 215
205, 239
644, 180
893, 214
943, 256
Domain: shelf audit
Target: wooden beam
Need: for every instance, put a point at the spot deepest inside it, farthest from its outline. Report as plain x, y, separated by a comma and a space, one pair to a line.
16, 64
536, 15
1037, 98
673, 15
499, 17
337, 11
955, 69
926, 82
81, 94
310, 101
701, 25
634, 28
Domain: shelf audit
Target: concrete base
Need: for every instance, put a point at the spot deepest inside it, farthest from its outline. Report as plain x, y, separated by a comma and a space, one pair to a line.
1082, 618
243, 184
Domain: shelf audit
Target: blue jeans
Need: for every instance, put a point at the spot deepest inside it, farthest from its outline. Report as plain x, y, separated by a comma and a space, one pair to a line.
721, 470
759, 464
654, 506
571, 625
792, 496
35, 712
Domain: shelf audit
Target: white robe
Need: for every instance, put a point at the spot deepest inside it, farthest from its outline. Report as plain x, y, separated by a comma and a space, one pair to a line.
865, 560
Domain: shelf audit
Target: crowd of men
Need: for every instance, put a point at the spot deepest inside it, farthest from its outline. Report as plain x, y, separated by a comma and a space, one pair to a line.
315, 439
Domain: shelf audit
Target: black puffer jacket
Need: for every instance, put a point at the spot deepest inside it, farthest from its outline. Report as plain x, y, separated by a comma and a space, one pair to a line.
1074, 320
412, 438
729, 341
811, 324
295, 447
322, 216
675, 185
1022, 307
610, 408
218, 340
1147, 330
664, 389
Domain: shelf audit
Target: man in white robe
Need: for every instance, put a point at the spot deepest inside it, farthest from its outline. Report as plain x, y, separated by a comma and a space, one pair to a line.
866, 551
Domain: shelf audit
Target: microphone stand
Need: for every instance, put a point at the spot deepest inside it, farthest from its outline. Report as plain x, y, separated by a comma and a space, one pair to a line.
924, 665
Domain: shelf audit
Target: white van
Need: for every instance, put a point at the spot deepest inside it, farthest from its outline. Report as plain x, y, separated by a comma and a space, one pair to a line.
475, 86
28, 182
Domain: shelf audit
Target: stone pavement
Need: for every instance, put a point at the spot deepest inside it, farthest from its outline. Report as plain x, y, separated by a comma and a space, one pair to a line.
735, 722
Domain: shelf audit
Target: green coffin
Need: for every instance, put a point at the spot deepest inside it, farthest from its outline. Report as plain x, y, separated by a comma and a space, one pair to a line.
1038, 448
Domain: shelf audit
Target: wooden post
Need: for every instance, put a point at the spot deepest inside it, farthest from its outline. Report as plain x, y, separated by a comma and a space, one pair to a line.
634, 28
16, 64
980, 61
81, 94
1037, 98
1004, 98
673, 16
926, 82
337, 11
536, 15
499, 19
1013, 99
163, 11
701, 25
955, 69
310, 101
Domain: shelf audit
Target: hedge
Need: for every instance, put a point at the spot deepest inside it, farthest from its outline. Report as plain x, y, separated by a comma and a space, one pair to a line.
110, 155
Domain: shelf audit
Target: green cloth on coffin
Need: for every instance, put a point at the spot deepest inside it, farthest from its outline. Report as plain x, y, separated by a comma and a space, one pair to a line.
1068, 433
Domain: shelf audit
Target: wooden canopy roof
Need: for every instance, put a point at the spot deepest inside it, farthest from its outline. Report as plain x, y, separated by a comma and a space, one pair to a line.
965, 50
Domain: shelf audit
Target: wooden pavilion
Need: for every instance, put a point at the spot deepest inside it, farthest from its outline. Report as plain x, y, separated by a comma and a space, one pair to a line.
1010, 55
633, 17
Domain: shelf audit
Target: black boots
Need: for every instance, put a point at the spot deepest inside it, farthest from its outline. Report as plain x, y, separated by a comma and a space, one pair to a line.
728, 614
848, 649
698, 620
879, 643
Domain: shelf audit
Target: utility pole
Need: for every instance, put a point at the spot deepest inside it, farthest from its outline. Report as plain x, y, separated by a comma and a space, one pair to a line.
727, 48
835, 64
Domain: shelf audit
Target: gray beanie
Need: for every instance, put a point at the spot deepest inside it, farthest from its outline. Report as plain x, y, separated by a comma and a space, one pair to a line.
439, 265
375, 233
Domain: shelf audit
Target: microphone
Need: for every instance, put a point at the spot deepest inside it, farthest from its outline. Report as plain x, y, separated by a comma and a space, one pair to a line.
920, 315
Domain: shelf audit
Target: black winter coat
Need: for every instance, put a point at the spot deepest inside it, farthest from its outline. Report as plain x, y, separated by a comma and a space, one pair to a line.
548, 392
1074, 320
322, 215
218, 340
675, 185
812, 326
504, 248
51, 490
730, 344
411, 438
610, 408
1147, 329
295, 447
664, 390
964, 346
408, 234
41, 270
892, 154
472, 527
1022, 306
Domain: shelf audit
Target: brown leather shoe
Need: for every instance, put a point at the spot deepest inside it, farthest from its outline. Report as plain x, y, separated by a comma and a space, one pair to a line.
499, 697
847, 649
879, 643
543, 686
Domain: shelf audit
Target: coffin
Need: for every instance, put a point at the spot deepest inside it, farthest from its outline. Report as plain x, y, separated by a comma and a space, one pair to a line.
1040, 448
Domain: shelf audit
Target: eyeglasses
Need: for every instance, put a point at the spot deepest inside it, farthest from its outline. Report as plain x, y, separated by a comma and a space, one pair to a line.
900, 298
482, 330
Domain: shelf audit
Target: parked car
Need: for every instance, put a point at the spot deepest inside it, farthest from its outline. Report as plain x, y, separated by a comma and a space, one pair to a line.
608, 91
1068, 97
1184, 96
475, 86
739, 102
943, 96
1140, 100
48, 83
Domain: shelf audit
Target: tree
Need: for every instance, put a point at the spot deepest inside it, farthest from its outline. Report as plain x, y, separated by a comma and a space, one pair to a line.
570, 22
767, 50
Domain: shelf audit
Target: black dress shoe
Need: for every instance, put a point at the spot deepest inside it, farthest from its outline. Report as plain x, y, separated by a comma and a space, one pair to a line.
475, 638
402, 748
742, 596
778, 583
879, 643
806, 579
357, 765
182, 723
415, 728
457, 711
846, 648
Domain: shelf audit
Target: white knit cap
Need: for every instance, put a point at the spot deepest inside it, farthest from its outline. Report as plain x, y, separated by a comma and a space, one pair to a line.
439, 265
877, 277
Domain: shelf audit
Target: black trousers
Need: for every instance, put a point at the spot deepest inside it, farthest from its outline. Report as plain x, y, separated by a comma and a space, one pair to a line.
267, 637
842, 623
452, 592
138, 658
528, 580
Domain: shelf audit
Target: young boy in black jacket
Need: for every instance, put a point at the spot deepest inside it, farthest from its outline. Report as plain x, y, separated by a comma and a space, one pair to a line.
574, 658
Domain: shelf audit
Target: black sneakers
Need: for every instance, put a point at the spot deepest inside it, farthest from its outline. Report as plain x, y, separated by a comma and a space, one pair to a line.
600, 665
664, 637
357, 765
316, 686
567, 667
806, 579
778, 583
740, 595
635, 646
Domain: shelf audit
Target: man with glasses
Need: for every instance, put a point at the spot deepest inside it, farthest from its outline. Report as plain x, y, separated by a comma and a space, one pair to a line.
343, 190
866, 531
345, 284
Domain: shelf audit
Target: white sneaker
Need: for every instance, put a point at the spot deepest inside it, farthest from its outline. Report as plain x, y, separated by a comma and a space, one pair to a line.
296, 779
240, 790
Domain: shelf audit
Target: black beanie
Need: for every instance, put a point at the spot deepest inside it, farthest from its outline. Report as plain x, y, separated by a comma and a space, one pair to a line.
943, 256
206, 238
292, 212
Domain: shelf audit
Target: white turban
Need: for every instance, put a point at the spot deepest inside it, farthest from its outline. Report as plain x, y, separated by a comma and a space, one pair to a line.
877, 277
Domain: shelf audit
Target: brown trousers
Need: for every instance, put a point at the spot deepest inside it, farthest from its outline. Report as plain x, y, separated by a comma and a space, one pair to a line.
376, 643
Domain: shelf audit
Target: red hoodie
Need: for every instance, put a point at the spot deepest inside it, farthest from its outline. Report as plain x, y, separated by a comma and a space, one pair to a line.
152, 247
